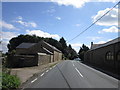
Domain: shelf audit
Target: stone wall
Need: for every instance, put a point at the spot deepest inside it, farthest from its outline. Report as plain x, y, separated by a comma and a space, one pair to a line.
57, 56
44, 58
22, 60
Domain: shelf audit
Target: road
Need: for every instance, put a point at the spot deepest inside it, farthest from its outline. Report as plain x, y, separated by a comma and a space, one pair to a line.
72, 74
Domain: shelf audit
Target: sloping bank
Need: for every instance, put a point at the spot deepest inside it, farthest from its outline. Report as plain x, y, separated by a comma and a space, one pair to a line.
28, 72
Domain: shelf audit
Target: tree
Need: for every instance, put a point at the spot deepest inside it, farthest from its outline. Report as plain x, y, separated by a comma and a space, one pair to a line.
63, 42
82, 51
71, 53
14, 42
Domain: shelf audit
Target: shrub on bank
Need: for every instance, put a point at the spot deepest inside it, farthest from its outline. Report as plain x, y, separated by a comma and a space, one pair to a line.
10, 81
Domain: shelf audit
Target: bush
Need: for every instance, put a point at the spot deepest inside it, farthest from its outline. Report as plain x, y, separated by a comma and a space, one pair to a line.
10, 81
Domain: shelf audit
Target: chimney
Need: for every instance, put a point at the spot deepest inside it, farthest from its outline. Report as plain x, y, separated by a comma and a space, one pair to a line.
91, 44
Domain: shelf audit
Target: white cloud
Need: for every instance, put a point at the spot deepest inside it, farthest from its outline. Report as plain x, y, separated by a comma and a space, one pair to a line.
7, 26
110, 19
77, 25
58, 18
102, 42
42, 34
79, 3
94, 38
112, 29
33, 24
26, 24
3, 46
74, 3
107, 1
20, 18
8, 35
5, 37
76, 46
51, 10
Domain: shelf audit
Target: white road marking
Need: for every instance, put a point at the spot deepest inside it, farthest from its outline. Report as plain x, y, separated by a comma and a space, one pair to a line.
54, 66
34, 80
73, 65
79, 72
47, 70
42, 74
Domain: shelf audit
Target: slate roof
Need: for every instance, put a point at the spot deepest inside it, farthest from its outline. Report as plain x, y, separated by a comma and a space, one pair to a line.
95, 45
52, 46
25, 45
28, 45
107, 43
47, 50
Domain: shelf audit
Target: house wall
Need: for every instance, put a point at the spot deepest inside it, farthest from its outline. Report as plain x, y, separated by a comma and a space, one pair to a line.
57, 56
44, 59
51, 56
97, 57
60, 56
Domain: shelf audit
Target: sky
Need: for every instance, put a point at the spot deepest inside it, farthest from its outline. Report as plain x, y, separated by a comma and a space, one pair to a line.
60, 18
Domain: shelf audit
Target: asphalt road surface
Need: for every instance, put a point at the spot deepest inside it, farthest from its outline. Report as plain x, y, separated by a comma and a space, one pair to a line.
72, 74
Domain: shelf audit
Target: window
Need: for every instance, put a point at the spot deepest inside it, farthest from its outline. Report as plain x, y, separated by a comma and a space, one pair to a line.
109, 56
118, 56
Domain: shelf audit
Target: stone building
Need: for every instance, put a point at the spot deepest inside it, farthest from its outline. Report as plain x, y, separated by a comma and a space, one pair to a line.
106, 56
31, 54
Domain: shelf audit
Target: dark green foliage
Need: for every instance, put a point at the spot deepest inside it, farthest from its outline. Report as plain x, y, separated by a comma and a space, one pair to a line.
71, 53
67, 51
9, 81
82, 51
63, 42
14, 42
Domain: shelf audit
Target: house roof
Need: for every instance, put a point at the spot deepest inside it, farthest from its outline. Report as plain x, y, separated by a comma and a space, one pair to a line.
107, 43
54, 48
28, 45
95, 45
47, 50
25, 45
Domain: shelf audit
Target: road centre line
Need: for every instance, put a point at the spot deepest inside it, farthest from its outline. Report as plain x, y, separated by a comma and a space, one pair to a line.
47, 70
34, 80
73, 65
79, 72
42, 74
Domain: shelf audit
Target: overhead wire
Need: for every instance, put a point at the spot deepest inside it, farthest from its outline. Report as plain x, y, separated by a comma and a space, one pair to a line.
94, 22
